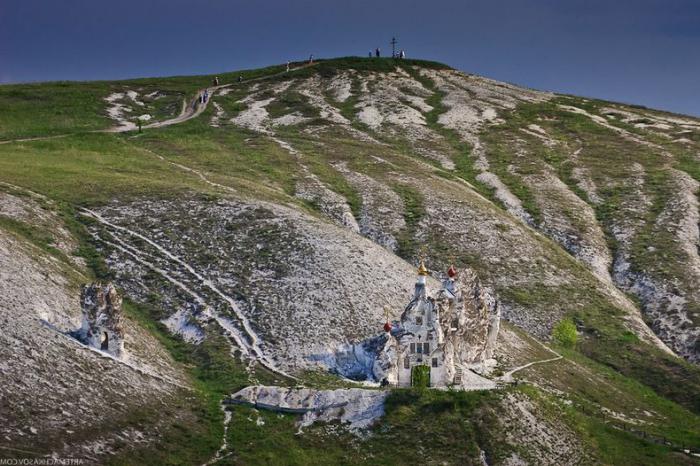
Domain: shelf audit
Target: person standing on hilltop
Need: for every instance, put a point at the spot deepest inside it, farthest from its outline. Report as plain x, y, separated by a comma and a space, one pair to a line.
287, 66
311, 59
377, 52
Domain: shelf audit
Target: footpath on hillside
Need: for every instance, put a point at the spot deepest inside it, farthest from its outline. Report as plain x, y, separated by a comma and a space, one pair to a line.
189, 110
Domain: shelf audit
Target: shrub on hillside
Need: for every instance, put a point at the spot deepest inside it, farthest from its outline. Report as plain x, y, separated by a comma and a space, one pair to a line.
565, 333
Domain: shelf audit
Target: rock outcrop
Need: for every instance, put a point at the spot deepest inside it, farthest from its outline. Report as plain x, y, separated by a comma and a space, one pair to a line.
356, 407
102, 326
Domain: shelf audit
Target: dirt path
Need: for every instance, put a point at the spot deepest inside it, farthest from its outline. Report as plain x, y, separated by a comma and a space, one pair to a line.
189, 110
194, 171
508, 376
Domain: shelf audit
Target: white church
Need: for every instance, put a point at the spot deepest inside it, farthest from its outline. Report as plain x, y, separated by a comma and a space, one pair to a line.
445, 340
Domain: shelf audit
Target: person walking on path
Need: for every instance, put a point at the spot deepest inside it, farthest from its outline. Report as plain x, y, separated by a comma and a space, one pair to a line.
240, 79
287, 67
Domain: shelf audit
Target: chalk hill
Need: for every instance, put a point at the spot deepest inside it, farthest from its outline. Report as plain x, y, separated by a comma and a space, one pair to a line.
258, 229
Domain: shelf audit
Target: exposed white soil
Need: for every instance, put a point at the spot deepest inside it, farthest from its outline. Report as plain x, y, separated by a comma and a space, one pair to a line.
516, 256
254, 116
624, 228
622, 132
308, 187
192, 109
246, 338
134, 96
583, 179
395, 103
665, 300
511, 202
682, 217
683, 141
333, 205
472, 103
381, 217
290, 119
221, 452
54, 377
180, 323
24, 206
290, 300
571, 222
539, 132
218, 115
341, 86
546, 437
117, 111
312, 189
468, 222
312, 89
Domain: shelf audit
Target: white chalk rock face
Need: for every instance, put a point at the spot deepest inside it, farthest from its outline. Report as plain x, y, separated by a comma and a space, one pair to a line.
102, 318
356, 407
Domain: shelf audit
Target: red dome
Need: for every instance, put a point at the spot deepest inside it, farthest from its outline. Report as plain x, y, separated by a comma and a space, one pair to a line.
387, 327
452, 271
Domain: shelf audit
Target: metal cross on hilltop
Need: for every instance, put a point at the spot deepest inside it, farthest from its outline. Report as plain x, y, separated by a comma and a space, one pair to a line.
393, 47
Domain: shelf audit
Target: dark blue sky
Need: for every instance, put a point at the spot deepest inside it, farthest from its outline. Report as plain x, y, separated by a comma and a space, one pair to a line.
636, 51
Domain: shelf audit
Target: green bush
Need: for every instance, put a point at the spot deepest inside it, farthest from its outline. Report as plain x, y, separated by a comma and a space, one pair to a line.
565, 333
420, 376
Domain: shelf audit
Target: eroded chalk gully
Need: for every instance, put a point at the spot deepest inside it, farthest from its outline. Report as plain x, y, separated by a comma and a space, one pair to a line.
248, 343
